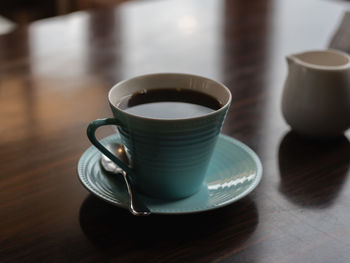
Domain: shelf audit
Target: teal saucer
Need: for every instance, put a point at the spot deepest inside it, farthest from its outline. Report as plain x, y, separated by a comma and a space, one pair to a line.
234, 171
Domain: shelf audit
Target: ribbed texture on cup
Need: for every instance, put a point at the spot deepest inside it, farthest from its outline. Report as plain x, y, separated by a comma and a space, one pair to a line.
170, 158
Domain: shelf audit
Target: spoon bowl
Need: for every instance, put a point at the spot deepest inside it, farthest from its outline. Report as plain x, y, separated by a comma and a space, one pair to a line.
136, 205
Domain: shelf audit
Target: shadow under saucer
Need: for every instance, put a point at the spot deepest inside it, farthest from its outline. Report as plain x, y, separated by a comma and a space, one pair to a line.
112, 228
312, 172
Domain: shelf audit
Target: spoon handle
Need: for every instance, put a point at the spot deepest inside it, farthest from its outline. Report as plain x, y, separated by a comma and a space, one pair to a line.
136, 206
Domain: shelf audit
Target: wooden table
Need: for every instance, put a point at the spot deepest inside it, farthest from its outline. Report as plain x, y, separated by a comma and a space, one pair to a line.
54, 78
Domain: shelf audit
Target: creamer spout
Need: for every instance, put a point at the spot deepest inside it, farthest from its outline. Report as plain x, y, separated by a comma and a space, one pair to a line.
290, 59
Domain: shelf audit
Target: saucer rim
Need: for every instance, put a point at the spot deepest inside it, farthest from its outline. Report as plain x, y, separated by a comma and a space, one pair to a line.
118, 203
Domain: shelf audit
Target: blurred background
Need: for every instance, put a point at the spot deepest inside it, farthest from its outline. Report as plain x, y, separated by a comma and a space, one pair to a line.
18, 13
21, 12
14, 13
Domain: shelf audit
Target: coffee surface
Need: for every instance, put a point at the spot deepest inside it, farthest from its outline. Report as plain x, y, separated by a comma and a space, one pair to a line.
169, 103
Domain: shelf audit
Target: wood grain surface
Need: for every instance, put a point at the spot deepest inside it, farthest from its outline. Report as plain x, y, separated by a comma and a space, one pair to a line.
54, 79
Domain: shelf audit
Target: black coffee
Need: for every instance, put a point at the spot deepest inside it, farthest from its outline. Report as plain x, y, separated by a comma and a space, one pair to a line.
169, 103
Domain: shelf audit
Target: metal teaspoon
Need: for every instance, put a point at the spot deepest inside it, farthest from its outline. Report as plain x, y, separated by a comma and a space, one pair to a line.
136, 205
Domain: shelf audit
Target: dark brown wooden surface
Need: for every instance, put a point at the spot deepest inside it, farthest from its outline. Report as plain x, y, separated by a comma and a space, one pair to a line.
54, 78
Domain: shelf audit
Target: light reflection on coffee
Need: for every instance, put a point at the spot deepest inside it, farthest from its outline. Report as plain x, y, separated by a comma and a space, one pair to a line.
170, 103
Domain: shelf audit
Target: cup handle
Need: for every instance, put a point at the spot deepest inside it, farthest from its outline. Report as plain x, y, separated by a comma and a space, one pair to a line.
91, 130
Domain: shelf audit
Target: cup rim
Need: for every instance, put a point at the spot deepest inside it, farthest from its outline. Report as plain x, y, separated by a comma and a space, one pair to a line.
206, 115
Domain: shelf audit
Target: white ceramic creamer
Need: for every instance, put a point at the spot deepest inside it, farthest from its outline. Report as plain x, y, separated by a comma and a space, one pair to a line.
316, 95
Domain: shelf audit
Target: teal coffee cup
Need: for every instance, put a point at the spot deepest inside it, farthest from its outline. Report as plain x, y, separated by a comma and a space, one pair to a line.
169, 125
